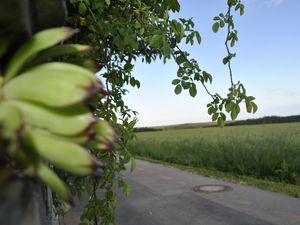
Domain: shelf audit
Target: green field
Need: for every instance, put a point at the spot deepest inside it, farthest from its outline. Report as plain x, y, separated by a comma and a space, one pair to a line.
268, 152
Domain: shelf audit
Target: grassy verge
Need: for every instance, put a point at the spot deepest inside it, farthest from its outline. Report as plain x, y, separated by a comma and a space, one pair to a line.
289, 189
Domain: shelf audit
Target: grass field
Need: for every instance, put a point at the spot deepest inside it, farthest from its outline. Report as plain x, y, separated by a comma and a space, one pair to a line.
268, 152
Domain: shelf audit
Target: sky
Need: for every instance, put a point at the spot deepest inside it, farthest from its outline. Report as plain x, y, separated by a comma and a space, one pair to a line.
267, 63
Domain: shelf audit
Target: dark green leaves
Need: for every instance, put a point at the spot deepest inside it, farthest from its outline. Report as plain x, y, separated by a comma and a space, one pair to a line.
132, 164
185, 84
222, 23
175, 81
215, 27
248, 107
198, 37
254, 107
178, 29
82, 8
229, 106
215, 116
235, 110
178, 89
125, 186
251, 107
128, 67
225, 60
174, 5
180, 59
193, 90
133, 82
207, 76
156, 40
240, 7
166, 48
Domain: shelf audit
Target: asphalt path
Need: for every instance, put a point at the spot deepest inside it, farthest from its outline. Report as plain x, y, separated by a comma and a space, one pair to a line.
165, 196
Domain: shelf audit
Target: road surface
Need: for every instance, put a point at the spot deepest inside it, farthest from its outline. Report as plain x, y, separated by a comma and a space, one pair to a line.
165, 196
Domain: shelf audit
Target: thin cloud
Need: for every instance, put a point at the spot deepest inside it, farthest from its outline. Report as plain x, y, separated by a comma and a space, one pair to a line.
273, 2
270, 3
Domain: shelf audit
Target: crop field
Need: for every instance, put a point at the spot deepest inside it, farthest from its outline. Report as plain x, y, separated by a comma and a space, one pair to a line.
270, 152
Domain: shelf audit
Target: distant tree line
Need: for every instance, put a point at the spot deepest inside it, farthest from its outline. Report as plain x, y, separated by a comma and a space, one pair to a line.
267, 120
262, 120
145, 129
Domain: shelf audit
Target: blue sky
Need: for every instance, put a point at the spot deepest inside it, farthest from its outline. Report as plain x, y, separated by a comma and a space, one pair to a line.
267, 63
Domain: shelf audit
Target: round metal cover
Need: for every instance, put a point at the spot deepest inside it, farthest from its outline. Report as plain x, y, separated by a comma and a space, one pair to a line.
211, 188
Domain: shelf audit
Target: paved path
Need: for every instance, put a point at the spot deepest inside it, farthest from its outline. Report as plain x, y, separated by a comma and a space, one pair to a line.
164, 196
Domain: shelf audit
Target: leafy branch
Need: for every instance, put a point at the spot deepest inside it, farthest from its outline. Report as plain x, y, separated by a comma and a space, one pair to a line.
237, 92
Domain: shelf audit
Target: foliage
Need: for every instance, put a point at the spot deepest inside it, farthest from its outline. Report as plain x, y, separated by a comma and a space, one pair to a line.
44, 116
261, 151
268, 120
123, 32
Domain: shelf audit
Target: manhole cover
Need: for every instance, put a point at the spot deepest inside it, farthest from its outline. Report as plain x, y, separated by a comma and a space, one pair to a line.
210, 188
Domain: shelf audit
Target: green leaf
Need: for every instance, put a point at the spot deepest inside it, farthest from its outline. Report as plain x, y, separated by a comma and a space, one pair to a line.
198, 37
132, 164
166, 48
180, 59
238, 109
215, 116
181, 32
234, 112
242, 9
128, 67
221, 122
223, 116
185, 78
137, 83
248, 106
193, 91
156, 40
38, 42
222, 23
175, 81
87, 2
215, 27
82, 8
250, 98
174, 5
178, 89
229, 106
254, 107
125, 186
187, 65
225, 60
132, 81
107, 2
185, 84
207, 76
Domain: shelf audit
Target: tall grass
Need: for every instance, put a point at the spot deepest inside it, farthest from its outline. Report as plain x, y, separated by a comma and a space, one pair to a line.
263, 151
